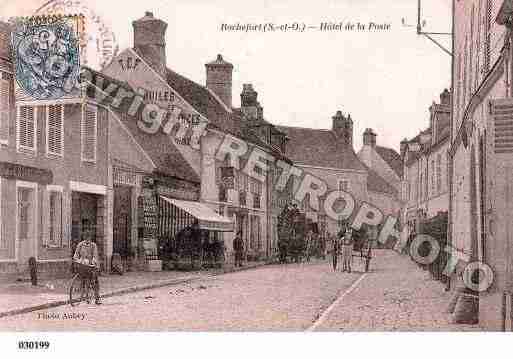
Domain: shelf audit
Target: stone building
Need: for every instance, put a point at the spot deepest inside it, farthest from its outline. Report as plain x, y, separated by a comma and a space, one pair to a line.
425, 175
54, 173
329, 155
481, 148
224, 188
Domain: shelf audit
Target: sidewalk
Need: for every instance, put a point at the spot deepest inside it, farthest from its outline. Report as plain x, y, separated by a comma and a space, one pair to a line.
396, 295
22, 297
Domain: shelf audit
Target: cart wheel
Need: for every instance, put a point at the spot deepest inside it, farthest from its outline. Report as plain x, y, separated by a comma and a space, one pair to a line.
76, 290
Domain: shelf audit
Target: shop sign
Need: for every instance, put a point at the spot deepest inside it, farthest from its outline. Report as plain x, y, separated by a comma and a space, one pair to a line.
25, 173
178, 193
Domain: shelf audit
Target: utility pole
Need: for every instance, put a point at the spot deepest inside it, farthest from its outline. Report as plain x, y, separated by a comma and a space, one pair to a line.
429, 35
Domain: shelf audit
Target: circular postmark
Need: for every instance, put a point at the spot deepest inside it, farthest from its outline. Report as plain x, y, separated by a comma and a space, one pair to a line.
47, 58
98, 45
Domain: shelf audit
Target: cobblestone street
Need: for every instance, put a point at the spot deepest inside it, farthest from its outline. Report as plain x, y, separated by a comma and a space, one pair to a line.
394, 295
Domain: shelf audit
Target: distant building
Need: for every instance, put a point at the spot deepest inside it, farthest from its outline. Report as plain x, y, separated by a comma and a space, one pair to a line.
329, 155
425, 174
224, 188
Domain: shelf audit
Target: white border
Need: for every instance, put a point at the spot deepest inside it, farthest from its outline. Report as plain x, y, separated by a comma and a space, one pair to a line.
87, 188
47, 125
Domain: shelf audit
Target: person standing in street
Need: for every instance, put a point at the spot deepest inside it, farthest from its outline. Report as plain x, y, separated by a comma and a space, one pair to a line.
238, 247
347, 250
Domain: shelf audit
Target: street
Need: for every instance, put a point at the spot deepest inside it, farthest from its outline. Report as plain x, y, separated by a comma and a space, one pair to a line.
394, 295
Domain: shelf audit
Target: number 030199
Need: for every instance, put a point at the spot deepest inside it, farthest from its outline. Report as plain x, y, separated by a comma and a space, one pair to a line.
33, 345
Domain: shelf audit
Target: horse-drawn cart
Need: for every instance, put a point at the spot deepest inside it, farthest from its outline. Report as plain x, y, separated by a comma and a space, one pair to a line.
363, 240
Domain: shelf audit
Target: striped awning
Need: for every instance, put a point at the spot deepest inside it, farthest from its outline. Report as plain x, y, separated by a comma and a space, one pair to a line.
207, 218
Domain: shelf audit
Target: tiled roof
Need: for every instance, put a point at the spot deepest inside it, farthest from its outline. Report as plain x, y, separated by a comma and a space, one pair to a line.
320, 148
206, 104
158, 146
316, 147
392, 158
376, 183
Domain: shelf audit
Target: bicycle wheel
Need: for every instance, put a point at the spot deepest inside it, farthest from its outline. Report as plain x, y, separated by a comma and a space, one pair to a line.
76, 290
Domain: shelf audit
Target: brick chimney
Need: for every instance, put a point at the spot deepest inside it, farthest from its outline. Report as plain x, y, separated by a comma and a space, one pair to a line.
248, 101
343, 128
445, 97
219, 79
150, 40
369, 137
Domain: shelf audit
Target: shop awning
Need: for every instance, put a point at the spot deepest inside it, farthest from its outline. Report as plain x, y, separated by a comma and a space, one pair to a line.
207, 218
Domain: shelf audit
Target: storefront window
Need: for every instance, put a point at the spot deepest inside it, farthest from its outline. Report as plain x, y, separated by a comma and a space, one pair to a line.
55, 233
24, 207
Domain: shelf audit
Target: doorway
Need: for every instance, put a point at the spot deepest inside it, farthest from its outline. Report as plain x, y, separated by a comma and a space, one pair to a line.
26, 223
122, 220
84, 209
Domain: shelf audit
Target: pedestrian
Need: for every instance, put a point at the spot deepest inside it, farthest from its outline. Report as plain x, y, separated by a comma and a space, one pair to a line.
308, 244
347, 250
238, 247
87, 253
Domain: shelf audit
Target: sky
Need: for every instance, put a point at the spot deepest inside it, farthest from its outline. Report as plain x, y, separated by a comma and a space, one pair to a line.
386, 80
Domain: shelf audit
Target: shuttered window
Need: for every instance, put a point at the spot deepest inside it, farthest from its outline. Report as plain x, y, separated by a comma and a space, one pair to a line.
4, 109
471, 54
488, 35
55, 230
55, 130
478, 44
26, 130
89, 133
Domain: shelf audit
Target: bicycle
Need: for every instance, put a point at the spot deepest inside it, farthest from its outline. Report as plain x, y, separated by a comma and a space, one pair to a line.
82, 284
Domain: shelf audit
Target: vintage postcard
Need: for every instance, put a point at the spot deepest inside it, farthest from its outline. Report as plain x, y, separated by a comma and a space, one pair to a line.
235, 166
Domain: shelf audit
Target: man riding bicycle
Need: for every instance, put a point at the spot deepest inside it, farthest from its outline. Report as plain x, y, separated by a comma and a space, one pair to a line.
87, 253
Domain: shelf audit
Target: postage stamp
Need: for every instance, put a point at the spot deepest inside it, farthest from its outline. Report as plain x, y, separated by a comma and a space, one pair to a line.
46, 56
328, 166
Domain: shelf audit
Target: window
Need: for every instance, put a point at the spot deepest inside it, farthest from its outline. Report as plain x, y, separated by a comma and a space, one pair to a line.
256, 190
488, 36
55, 130
55, 230
26, 211
471, 49
478, 44
465, 64
26, 131
343, 185
439, 173
433, 177
89, 133
459, 91
5, 106
256, 237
